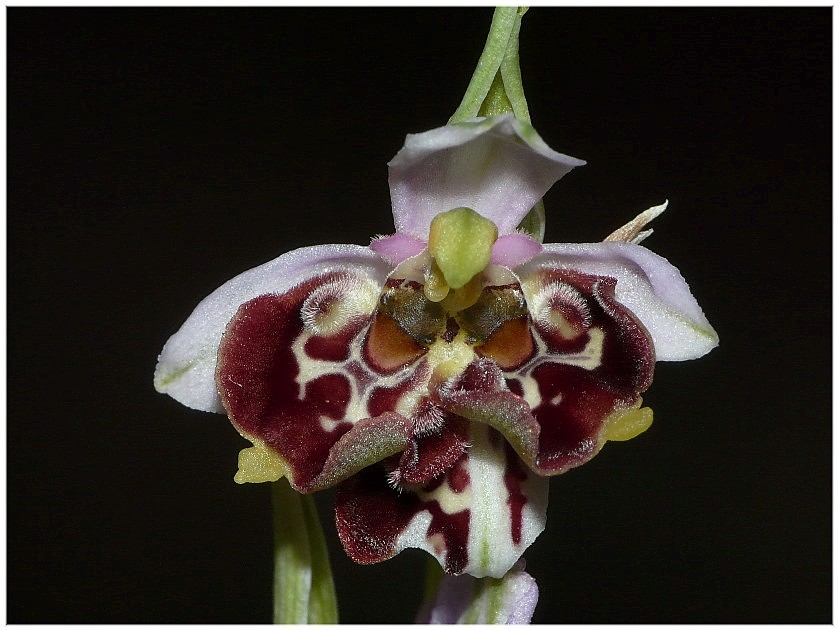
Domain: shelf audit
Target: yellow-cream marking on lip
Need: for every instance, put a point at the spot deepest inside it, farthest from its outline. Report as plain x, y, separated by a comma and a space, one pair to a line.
450, 359
328, 424
415, 534
437, 541
357, 407
558, 321
530, 288
530, 386
449, 501
408, 401
589, 358
445, 360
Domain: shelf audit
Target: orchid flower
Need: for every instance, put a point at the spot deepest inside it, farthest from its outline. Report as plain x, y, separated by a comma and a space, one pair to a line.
440, 376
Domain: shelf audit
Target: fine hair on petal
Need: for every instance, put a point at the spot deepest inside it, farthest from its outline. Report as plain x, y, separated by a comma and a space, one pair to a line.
333, 305
550, 304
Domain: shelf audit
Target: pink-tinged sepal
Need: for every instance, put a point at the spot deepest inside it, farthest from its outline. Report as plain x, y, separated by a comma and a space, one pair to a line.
499, 167
187, 364
648, 285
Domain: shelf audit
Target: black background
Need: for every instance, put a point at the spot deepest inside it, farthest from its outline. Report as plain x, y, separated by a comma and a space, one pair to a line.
155, 153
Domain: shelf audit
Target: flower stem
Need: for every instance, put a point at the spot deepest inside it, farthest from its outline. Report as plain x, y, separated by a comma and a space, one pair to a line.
488, 66
510, 71
304, 591
433, 576
506, 94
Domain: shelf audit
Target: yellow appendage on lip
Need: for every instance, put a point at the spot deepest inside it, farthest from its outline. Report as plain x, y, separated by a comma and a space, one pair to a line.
627, 424
258, 464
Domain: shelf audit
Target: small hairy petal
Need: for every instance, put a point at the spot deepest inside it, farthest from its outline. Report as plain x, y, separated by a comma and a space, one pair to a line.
648, 285
429, 456
499, 167
480, 394
512, 250
398, 247
186, 366
368, 442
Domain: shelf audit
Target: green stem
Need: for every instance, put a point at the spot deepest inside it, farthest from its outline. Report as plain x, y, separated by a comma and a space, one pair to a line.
304, 591
503, 24
510, 71
433, 576
323, 601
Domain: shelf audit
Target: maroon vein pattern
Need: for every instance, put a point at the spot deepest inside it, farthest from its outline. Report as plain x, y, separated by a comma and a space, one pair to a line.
346, 394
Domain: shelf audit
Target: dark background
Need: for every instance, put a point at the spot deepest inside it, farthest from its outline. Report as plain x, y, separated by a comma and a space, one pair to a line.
155, 153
